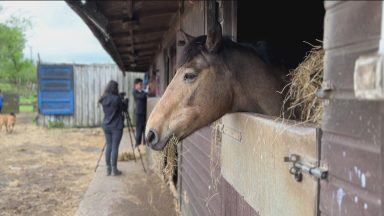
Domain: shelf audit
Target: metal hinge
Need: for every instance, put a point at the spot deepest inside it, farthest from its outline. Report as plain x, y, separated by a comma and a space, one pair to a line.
298, 167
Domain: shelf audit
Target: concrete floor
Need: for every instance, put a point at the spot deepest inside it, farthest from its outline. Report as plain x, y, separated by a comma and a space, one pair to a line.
133, 193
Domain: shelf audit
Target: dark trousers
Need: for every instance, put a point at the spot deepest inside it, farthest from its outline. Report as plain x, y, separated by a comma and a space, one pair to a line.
112, 138
140, 127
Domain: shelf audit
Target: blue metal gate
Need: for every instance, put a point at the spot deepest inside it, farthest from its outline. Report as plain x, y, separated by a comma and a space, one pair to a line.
55, 96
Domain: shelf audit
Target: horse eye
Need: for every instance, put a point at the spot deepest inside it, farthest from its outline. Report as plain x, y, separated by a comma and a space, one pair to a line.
189, 77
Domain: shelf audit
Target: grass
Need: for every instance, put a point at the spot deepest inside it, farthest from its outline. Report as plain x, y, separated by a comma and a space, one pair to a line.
32, 99
28, 99
26, 108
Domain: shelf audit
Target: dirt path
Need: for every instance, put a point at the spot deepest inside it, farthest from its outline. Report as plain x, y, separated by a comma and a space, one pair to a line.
46, 171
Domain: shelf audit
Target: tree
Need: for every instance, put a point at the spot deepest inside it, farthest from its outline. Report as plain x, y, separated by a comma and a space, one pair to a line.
14, 67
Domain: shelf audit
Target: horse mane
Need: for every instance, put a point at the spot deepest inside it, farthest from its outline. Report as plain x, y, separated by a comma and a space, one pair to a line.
197, 47
193, 48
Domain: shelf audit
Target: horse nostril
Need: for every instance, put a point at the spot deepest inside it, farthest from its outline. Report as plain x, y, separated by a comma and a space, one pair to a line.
152, 137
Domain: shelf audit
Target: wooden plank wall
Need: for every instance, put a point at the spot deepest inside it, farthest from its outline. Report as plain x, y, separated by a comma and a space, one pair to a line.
352, 142
89, 83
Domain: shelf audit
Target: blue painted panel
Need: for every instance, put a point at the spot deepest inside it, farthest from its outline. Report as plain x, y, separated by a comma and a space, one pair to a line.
56, 94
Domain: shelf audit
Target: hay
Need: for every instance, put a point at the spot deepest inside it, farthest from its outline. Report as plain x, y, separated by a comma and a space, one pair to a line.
129, 155
46, 174
214, 162
165, 164
301, 101
15, 183
171, 156
166, 160
126, 156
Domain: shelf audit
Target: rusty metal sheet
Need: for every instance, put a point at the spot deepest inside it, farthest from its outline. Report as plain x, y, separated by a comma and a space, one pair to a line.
254, 163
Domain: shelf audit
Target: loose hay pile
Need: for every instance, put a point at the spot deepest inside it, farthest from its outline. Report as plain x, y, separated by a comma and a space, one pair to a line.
129, 155
126, 156
301, 101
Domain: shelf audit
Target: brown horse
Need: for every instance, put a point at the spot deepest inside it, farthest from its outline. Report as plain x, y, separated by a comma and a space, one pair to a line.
215, 76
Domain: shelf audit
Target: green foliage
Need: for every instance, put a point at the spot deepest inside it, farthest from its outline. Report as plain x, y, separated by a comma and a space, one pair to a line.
27, 103
22, 90
14, 67
26, 108
28, 99
6, 87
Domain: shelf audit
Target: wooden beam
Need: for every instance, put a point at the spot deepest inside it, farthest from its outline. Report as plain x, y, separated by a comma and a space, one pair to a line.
145, 14
90, 10
139, 51
144, 58
152, 41
141, 60
147, 46
98, 24
136, 69
131, 33
144, 64
138, 60
160, 29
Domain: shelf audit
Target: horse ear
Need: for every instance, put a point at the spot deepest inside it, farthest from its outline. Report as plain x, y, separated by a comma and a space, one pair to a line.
214, 37
186, 36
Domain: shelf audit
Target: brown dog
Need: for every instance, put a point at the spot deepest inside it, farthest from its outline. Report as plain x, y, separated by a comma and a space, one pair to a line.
9, 121
3, 121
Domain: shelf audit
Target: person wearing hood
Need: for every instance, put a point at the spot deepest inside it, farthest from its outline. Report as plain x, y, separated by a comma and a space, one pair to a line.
113, 124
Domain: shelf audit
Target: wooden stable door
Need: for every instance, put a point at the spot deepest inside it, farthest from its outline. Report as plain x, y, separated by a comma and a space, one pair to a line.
266, 161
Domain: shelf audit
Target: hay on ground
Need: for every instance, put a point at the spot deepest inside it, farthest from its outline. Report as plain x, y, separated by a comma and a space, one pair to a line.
129, 155
301, 101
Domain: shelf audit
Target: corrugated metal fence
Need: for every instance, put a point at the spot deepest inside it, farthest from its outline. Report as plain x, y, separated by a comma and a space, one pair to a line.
89, 83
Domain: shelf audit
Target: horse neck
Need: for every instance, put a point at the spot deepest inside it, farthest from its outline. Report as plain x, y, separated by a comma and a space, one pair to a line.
255, 85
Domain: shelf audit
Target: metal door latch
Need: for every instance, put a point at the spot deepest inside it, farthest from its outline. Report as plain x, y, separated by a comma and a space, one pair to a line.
298, 167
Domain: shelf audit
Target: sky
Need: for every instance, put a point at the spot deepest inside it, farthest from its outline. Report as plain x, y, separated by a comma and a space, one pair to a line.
58, 34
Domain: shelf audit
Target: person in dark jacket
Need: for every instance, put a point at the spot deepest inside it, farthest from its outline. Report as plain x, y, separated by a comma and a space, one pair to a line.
113, 124
140, 97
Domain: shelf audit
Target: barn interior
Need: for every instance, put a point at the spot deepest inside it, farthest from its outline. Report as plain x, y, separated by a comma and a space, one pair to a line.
284, 26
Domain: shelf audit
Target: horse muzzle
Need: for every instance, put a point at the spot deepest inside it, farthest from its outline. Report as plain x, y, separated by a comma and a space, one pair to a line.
153, 140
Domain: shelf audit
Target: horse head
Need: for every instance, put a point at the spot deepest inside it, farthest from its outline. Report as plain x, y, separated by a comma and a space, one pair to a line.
208, 83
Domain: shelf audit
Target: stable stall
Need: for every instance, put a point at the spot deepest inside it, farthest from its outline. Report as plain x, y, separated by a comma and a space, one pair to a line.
250, 164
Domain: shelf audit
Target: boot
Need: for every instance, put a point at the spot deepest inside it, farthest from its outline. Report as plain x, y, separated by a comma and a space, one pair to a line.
109, 170
115, 171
